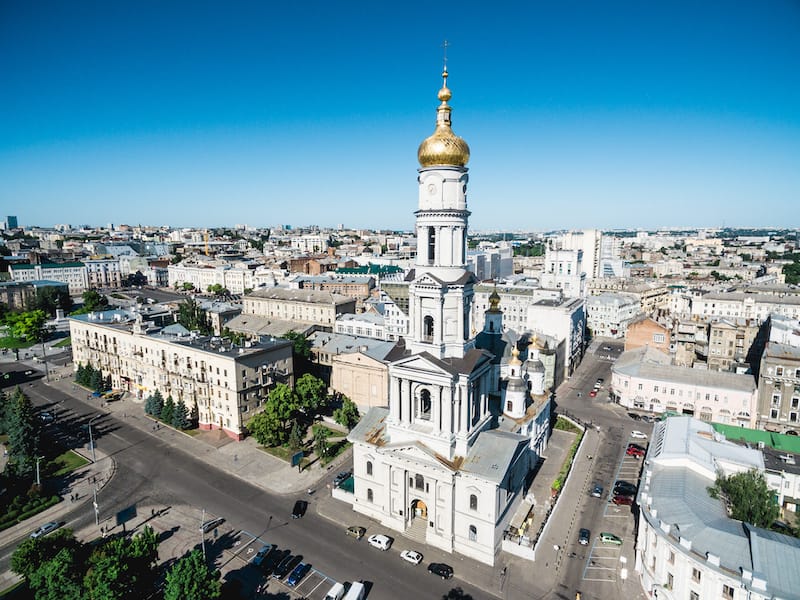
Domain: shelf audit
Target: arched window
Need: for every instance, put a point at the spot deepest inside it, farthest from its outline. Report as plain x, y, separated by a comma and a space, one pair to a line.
473, 502
369, 467
509, 406
431, 245
424, 406
427, 329
370, 497
473, 533
419, 482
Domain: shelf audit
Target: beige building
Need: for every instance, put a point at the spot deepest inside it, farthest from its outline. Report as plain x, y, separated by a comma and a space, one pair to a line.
362, 378
779, 388
730, 344
103, 272
229, 384
310, 307
647, 332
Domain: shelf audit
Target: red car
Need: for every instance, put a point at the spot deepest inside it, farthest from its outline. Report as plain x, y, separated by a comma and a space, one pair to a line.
593, 393
620, 500
634, 451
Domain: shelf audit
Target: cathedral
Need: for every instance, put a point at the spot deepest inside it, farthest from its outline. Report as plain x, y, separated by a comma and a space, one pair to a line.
449, 460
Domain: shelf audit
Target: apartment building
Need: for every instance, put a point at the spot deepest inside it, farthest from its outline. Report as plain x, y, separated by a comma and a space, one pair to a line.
609, 314
308, 307
644, 379
686, 544
103, 272
71, 273
228, 384
645, 331
745, 305
779, 388
563, 270
353, 287
732, 344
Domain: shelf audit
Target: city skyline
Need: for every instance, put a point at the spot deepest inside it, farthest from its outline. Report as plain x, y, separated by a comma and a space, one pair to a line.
628, 116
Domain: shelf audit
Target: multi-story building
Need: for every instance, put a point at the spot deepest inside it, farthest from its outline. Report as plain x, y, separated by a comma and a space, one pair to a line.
71, 273
515, 300
779, 388
227, 383
235, 278
21, 296
310, 307
589, 242
609, 314
652, 295
370, 324
103, 272
644, 379
563, 270
353, 287
687, 546
745, 305
644, 331
310, 242
732, 344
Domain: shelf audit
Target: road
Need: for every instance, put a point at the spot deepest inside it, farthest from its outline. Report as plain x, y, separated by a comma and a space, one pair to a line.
152, 472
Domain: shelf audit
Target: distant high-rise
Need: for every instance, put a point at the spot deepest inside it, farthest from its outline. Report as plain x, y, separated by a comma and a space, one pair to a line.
11, 222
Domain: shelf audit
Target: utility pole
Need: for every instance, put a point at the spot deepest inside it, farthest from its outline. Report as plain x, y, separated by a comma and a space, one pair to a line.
44, 360
91, 439
96, 507
203, 534
38, 479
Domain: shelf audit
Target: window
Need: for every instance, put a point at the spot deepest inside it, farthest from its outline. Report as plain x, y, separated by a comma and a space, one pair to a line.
658, 338
779, 371
369, 467
419, 482
694, 596
670, 581
793, 417
431, 245
427, 329
776, 400
727, 592
424, 405
370, 496
473, 502
696, 575
640, 386
773, 413
655, 389
671, 558
473, 533
795, 402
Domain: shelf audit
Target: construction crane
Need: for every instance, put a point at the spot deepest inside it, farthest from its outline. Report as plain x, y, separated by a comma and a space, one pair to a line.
205, 238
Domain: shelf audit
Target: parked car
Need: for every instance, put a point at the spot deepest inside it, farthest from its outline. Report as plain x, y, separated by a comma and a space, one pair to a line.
262, 554
299, 509
638, 435
634, 416
340, 478
212, 524
380, 541
287, 565
593, 393
634, 451
46, 417
606, 348
624, 487
411, 556
45, 529
622, 500
440, 569
584, 535
355, 531
610, 538
597, 491
600, 381
297, 575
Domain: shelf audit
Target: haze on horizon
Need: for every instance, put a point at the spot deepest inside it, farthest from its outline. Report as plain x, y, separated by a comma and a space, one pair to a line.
624, 116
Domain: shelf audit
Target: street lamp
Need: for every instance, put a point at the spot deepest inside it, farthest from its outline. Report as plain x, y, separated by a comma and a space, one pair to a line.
91, 439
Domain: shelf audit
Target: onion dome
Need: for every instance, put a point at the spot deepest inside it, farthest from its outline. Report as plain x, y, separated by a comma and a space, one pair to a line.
443, 147
494, 301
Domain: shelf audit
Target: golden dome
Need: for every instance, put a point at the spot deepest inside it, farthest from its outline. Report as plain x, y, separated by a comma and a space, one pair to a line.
443, 147
494, 301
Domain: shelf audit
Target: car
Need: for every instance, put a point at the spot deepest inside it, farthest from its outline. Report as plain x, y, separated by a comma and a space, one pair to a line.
380, 541
593, 393
637, 446
28, 373
440, 569
262, 554
584, 535
606, 348
622, 500
299, 572
624, 490
635, 452
634, 416
211, 524
45, 529
355, 531
638, 435
341, 478
286, 566
621, 483
597, 491
610, 538
411, 556
46, 417
299, 509
600, 381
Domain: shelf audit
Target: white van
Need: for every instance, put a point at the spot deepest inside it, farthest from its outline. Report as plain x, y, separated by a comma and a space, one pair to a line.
336, 592
356, 591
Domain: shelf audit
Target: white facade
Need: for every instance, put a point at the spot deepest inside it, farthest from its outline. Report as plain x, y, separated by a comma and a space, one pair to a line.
73, 274
236, 279
563, 269
369, 325
748, 306
310, 242
589, 242
104, 272
608, 314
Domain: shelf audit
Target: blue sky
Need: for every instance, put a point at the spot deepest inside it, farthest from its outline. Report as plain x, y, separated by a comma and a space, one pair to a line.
578, 114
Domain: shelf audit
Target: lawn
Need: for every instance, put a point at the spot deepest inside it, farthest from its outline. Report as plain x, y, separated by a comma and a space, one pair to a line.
67, 341
13, 343
68, 461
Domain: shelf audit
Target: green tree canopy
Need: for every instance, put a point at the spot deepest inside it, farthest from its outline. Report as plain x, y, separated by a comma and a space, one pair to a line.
32, 553
23, 434
749, 497
301, 345
30, 326
168, 411
49, 298
191, 316
267, 429
311, 394
347, 415
92, 301
321, 441
123, 568
191, 579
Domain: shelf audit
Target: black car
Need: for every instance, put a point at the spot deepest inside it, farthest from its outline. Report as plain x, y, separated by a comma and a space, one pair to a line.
597, 490
286, 566
340, 478
623, 488
440, 569
299, 509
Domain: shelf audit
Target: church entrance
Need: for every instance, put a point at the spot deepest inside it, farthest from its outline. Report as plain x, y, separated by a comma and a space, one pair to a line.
419, 509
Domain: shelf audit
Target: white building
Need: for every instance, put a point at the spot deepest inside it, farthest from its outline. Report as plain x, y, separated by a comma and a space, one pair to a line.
370, 324
310, 242
644, 379
608, 314
589, 242
746, 305
71, 273
431, 464
686, 544
103, 272
563, 270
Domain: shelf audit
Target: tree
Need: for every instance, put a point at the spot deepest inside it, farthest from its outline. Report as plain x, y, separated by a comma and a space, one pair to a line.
58, 578
154, 404
749, 497
135, 280
23, 434
32, 553
296, 437
347, 415
191, 316
282, 403
321, 441
266, 429
180, 417
301, 345
92, 301
311, 394
191, 579
97, 381
168, 412
123, 568
194, 414
49, 298
30, 326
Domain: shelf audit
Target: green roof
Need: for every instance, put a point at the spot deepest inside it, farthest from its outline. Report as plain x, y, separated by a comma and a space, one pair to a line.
370, 269
67, 265
779, 441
